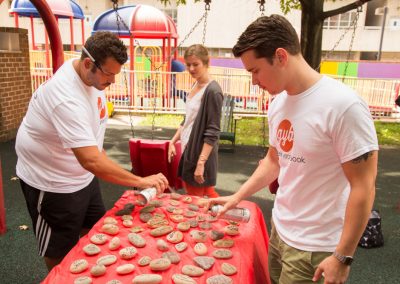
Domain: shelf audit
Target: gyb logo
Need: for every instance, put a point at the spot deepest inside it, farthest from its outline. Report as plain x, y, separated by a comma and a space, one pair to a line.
285, 135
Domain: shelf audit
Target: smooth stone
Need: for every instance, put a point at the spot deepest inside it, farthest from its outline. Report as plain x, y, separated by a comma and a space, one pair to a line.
136, 229
183, 279
157, 222
181, 246
177, 211
78, 266
160, 215
170, 209
193, 223
127, 223
205, 225
177, 218
123, 212
183, 226
211, 219
202, 202
114, 244
147, 279
187, 199
125, 268
231, 230
162, 245
91, 249
224, 243
174, 202
190, 214
172, 256
205, 262
114, 281
98, 270
200, 249
161, 231
193, 207
126, 217
156, 203
216, 235
145, 217
83, 280
128, 252
219, 279
175, 237
110, 229
110, 220
99, 239
198, 236
200, 218
144, 260
222, 253
228, 269
107, 260
160, 264
147, 209
192, 270
176, 196
136, 240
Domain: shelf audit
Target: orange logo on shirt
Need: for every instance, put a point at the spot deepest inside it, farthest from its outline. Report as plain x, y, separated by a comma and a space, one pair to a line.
285, 135
102, 108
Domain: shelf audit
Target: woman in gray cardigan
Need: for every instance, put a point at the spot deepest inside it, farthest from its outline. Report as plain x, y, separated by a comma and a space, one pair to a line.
199, 131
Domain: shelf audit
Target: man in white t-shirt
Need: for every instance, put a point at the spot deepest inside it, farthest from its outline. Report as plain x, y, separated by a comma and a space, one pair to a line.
60, 148
323, 150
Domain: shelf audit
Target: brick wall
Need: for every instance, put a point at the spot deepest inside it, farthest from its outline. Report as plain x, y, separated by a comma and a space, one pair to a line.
15, 85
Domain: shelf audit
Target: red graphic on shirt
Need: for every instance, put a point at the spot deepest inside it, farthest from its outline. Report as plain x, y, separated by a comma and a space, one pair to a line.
285, 135
102, 108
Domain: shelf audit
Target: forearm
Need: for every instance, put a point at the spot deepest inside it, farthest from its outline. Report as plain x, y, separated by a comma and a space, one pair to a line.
357, 214
177, 135
107, 170
205, 153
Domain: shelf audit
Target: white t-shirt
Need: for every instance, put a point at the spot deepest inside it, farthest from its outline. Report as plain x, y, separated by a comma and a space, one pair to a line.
63, 113
191, 110
315, 132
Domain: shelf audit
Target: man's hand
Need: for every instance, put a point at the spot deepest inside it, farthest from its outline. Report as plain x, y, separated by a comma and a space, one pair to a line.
333, 270
228, 202
159, 181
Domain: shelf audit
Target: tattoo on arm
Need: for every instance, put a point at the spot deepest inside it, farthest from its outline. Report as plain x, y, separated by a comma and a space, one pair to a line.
362, 157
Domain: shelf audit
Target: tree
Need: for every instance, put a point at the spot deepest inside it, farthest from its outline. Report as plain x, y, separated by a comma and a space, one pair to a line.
312, 19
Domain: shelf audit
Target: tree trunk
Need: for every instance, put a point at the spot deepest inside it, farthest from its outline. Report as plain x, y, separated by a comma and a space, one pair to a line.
311, 32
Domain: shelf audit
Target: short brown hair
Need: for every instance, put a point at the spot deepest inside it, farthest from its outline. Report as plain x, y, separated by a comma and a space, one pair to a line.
102, 45
265, 35
198, 50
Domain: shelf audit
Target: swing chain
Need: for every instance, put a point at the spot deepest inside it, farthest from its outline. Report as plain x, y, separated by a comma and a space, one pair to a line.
262, 6
205, 25
351, 42
352, 26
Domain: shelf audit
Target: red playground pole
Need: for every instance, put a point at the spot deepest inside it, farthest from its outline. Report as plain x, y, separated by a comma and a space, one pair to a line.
3, 227
51, 25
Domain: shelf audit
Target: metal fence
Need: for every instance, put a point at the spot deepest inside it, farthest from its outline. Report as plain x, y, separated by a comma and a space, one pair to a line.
148, 91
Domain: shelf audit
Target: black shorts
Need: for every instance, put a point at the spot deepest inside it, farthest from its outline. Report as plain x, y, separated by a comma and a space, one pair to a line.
58, 218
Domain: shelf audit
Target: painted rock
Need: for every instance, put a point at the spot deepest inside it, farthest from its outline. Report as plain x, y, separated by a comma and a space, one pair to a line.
147, 279
183, 279
127, 253
107, 260
219, 279
91, 249
125, 268
83, 280
222, 253
205, 262
114, 244
228, 269
192, 270
160, 264
98, 270
78, 266
99, 239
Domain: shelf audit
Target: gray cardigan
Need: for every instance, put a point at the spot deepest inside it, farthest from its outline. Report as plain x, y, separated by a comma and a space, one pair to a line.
206, 129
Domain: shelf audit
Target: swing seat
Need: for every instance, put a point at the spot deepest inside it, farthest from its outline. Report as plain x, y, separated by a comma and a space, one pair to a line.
149, 157
228, 124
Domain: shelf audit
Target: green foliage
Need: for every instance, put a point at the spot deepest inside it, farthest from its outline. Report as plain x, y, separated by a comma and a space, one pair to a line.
287, 5
388, 133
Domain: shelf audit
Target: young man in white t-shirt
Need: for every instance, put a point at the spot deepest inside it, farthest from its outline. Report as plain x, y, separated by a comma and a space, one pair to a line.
60, 148
323, 150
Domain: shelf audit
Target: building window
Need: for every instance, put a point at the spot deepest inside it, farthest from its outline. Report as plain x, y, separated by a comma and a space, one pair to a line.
340, 21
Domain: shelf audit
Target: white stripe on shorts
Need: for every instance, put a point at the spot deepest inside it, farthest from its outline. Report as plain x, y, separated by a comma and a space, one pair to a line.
42, 230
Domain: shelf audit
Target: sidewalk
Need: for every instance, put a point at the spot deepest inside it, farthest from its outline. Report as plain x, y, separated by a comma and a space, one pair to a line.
19, 262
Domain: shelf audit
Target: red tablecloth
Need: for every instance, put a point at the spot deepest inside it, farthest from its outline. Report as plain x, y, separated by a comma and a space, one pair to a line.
250, 252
